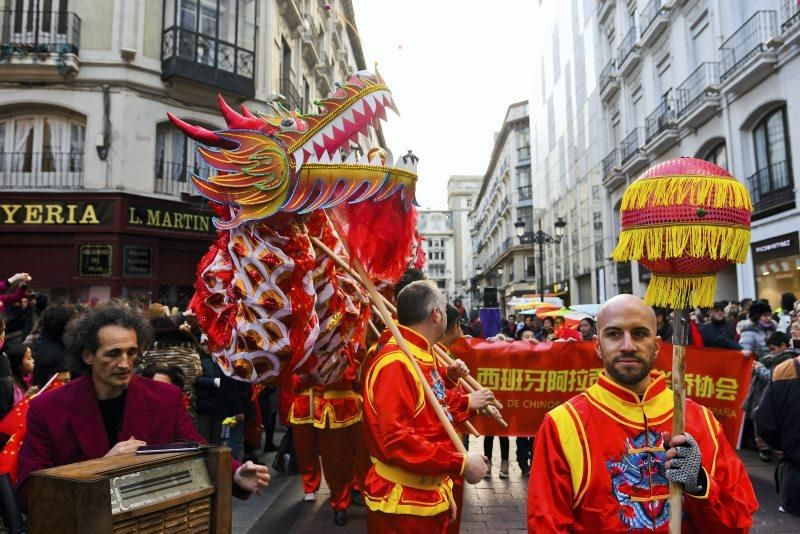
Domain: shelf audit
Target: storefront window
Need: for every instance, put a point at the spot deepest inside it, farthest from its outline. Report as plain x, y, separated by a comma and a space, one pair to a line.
777, 267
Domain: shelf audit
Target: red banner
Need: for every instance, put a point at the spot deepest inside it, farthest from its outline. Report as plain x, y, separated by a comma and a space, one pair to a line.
531, 380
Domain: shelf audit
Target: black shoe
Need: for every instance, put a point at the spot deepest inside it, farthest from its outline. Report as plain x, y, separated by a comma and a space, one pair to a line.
766, 455
526, 471
356, 499
340, 517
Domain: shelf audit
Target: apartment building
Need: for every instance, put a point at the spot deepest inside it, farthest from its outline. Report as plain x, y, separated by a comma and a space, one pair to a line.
461, 193
500, 262
93, 176
630, 83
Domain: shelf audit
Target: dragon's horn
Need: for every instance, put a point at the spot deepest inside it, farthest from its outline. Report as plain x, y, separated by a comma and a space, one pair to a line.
201, 135
246, 112
236, 121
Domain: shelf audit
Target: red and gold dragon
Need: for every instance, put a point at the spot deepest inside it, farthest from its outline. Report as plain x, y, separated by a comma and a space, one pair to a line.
271, 303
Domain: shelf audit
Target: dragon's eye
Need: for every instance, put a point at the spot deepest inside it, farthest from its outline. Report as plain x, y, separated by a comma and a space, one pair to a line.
287, 122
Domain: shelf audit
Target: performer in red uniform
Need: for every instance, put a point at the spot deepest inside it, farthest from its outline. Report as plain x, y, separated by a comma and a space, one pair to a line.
301, 417
604, 459
408, 488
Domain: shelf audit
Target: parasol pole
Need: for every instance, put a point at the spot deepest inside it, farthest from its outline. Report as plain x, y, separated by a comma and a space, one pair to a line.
680, 339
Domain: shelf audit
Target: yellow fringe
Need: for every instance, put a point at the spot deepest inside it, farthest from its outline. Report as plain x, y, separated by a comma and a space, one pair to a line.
681, 291
674, 190
675, 241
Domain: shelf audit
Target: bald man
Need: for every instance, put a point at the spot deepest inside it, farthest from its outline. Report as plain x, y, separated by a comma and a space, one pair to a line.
604, 459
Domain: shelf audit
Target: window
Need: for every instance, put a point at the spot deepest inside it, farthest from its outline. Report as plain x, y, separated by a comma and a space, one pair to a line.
718, 155
769, 137
42, 144
530, 267
524, 144
176, 155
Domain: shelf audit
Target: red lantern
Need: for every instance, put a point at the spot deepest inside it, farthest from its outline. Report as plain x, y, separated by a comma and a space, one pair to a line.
685, 220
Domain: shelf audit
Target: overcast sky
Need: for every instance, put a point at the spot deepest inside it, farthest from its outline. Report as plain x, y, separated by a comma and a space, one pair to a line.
453, 69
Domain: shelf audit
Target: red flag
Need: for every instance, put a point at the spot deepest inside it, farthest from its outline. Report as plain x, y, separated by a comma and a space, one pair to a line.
13, 425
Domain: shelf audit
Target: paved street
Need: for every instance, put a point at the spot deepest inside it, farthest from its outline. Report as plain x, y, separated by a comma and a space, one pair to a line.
494, 505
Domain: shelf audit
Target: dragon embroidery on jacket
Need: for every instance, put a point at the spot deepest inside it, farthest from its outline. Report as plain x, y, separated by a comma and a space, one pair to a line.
639, 483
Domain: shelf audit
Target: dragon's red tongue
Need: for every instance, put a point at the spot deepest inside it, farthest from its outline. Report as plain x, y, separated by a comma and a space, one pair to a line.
380, 235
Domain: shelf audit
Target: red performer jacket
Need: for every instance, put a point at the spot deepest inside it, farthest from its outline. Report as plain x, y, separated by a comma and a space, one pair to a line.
413, 458
334, 405
599, 466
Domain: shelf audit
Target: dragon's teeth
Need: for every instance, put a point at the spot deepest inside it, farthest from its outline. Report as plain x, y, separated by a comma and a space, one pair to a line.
337, 156
324, 158
351, 158
358, 106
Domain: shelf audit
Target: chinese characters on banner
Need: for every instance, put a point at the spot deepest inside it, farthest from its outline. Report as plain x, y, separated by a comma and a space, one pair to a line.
531, 380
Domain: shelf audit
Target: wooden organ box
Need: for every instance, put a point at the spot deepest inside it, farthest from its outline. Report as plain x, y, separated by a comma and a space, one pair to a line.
185, 492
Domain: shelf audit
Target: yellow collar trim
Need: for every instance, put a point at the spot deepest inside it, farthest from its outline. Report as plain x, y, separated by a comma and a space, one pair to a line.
654, 408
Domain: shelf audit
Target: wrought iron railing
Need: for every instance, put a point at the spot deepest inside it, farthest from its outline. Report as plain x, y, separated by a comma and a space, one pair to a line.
525, 192
772, 187
610, 161
696, 86
204, 58
629, 146
747, 41
172, 178
41, 170
790, 14
662, 118
649, 14
288, 90
627, 45
39, 32
608, 72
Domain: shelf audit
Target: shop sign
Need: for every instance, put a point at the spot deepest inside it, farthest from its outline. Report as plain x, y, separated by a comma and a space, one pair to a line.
94, 260
776, 247
137, 262
36, 213
176, 220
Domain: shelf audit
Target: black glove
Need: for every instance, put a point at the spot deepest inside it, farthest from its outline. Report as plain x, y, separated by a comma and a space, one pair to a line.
685, 468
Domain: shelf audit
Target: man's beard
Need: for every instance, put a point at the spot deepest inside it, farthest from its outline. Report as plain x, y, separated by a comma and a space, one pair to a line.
630, 378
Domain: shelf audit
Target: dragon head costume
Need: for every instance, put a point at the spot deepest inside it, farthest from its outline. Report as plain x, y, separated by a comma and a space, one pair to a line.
268, 300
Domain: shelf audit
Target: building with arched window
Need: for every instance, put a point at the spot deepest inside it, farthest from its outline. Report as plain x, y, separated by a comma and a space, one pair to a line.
626, 84
96, 200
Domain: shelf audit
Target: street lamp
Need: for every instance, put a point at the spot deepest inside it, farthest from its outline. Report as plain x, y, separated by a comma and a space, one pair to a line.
540, 238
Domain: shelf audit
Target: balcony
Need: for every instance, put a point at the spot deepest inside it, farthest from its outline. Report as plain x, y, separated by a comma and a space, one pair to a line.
628, 53
661, 128
612, 172
632, 157
523, 153
309, 47
323, 72
790, 25
746, 56
292, 13
41, 170
292, 98
609, 83
172, 178
772, 190
654, 19
698, 96
207, 60
604, 9
33, 39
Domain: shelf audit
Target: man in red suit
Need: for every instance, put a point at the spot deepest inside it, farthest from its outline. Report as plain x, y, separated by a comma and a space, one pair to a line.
109, 411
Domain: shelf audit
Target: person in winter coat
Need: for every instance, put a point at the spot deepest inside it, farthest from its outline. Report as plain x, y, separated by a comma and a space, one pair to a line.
6, 380
718, 331
786, 313
206, 387
754, 335
778, 344
48, 348
778, 421
233, 401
